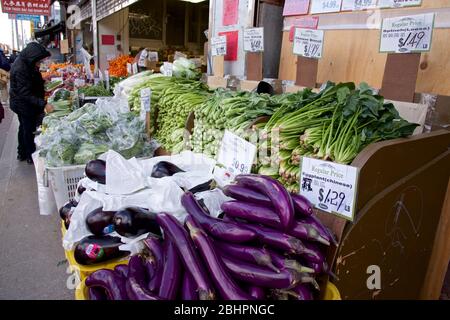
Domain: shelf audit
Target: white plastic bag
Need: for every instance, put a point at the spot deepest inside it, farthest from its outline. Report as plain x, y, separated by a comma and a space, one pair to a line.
47, 203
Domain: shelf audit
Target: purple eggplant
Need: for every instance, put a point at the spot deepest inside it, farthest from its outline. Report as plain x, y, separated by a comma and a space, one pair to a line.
225, 284
244, 194
93, 250
313, 254
324, 231
122, 270
303, 292
253, 213
281, 199
137, 281
309, 232
97, 293
172, 273
174, 231
96, 171
164, 169
282, 262
188, 288
230, 232
100, 222
133, 222
322, 268
257, 293
155, 264
279, 240
113, 284
259, 256
261, 276
302, 206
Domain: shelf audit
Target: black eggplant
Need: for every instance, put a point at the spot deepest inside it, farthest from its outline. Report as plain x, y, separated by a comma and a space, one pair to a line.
207, 186
66, 212
133, 222
96, 171
93, 250
165, 169
100, 222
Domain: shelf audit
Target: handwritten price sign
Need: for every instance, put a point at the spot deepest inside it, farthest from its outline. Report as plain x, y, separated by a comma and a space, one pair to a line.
407, 34
355, 5
399, 3
308, 43
254, 40
219, 46
325, 6
329, 186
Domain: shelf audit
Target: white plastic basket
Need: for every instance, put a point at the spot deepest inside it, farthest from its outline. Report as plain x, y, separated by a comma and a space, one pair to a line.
64, 182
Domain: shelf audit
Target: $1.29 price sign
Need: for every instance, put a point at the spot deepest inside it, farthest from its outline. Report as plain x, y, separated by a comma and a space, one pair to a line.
329, 186
308, 43
236, 156
254, 40
407, 34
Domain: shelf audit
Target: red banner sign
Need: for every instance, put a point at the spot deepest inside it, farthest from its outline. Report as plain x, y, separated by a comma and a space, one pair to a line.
33, 7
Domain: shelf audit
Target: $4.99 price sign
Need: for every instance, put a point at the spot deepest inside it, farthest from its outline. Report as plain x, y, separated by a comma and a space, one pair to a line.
407, 34
254, 40
329, 186
308, 43
236, 155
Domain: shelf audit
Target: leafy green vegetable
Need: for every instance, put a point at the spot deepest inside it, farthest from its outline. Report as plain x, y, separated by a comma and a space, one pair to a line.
95, 91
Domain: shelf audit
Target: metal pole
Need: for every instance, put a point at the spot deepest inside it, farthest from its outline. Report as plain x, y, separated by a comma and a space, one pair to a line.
17, 34
12, 35
95, 33
23, 35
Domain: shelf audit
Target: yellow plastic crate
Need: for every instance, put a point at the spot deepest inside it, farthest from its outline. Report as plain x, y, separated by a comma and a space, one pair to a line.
81, 292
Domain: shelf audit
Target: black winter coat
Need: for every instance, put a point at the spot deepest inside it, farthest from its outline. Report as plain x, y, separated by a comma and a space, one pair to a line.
27, 91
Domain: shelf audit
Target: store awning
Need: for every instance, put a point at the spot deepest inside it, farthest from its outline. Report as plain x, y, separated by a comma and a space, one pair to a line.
57, 28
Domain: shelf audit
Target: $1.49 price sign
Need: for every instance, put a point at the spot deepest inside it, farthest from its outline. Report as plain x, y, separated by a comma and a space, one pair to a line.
236, 156
407, 34
329, 186
308, 43
219, 46
254, 40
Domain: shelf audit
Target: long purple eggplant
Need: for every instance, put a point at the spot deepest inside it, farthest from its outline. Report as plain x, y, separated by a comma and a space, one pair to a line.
244, 194
261, 276
324, 231
281, 199
257, 293
302, 206
97, 293
322, 268
260, 256
188, 255
172, 273
303, 292
155, 265
313, 254
253, 213
122, 270
230, 232
225, 284
282, 262
309, 232
279, 240
137, 282
113, 284
188, 288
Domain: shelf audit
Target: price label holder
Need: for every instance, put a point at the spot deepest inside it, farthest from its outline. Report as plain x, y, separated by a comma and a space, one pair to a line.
168, 69
329, 186
219, 46
325, 6
407, 34
135, 68
308, 43
143, 58
146, 102
254, 40
236, 156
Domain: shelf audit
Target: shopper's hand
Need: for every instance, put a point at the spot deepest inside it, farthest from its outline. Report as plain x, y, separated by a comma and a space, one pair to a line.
49, 108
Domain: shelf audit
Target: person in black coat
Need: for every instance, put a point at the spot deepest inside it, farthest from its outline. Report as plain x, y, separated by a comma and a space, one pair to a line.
4, 62
27, 96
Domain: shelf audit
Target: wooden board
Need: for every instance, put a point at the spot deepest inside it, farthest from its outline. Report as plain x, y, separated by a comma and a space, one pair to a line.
218, 66
246, 85
254, 66
217, 82
306, 74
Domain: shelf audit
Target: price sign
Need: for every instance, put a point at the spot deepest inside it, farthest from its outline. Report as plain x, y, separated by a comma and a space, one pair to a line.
398, 3
354, 5
308, 43
168, 69
325, 6
329, 186
236, 156
407, 34
142, 58
135, 68
129, 68
254, 40
146, 99
219, 46
153, 56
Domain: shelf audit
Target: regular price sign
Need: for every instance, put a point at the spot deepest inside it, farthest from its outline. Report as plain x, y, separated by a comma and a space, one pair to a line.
325, 6
398, 3
308, 43
355, 5
236, 155
219, 46
329, 186
407, 34
254, 40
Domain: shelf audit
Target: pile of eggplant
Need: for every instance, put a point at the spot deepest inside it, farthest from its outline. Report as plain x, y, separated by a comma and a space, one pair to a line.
267, 245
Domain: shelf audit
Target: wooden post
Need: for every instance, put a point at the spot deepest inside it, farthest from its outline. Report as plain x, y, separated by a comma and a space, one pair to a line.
254, 66
218, 66
400, 76
306, 72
